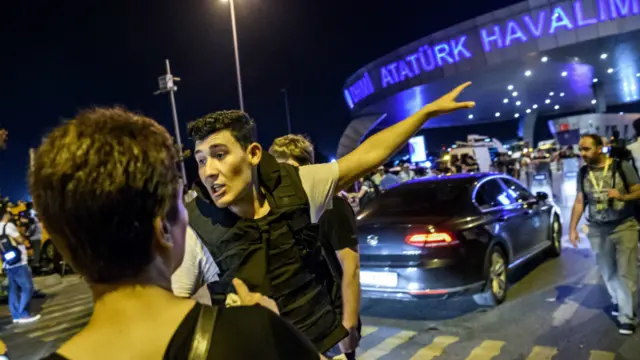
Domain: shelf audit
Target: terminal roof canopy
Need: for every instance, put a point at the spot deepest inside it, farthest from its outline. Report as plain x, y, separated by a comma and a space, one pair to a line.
536, 56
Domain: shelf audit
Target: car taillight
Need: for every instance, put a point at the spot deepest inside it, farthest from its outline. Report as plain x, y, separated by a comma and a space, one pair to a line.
430, 239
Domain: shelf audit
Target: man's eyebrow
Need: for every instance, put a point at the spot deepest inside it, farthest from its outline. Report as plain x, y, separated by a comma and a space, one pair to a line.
212, 147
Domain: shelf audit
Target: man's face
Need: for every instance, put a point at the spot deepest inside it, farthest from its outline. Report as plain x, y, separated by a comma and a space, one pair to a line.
589, 151
225, 168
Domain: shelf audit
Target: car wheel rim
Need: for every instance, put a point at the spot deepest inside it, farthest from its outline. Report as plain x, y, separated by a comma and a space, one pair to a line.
556, 234
498, 275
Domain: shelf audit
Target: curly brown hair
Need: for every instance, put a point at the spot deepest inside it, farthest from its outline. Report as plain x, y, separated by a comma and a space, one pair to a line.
99, 182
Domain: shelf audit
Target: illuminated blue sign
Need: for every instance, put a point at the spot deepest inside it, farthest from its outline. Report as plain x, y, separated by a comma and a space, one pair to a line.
522, 29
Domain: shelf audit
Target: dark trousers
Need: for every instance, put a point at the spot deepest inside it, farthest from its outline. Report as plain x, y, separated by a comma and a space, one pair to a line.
20, 291
36, 245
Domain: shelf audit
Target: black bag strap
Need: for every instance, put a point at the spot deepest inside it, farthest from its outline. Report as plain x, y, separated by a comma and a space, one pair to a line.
581, 177
4, 234
204, 331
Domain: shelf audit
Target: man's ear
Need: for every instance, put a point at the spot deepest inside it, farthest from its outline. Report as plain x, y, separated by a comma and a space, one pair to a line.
254, 151
162, 238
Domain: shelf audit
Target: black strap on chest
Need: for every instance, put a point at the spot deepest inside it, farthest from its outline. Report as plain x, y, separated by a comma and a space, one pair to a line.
201, 341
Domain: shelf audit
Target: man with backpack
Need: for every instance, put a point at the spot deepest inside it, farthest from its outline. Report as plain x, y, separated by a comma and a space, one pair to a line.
610, 187
259, 218
15, 266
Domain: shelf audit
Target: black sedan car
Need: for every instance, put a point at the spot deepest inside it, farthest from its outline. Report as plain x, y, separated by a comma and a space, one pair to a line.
452, 235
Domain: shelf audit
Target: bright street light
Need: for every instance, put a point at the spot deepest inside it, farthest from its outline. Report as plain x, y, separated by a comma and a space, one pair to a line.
235, 50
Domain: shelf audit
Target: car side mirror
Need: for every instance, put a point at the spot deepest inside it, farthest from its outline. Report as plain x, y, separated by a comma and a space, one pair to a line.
542, 196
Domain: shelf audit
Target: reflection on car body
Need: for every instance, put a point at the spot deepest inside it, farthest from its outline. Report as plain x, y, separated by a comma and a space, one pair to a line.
451, 235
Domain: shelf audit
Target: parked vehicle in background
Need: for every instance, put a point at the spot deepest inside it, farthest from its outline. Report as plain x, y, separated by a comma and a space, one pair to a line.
451, 235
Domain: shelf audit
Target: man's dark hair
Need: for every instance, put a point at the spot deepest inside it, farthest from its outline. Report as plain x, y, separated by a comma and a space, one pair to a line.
99, 182
241, 126
597, 140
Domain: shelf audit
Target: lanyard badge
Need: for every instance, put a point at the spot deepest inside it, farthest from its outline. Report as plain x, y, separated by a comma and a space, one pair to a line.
600, 195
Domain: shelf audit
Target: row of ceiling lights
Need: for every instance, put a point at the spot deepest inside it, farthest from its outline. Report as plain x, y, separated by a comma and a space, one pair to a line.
528, 73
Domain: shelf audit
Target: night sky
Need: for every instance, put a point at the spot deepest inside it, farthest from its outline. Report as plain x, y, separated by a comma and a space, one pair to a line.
61, 56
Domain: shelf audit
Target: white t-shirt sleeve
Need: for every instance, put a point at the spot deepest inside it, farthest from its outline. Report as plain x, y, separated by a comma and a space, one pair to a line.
319, 183
197, 268
11, 230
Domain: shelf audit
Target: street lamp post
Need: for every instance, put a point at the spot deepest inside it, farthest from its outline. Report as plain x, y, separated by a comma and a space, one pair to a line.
235, 50
286, 109
167, 84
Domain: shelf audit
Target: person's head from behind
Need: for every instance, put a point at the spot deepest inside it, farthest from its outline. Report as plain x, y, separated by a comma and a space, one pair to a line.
292, 149
107, 189
591, 148
227, 154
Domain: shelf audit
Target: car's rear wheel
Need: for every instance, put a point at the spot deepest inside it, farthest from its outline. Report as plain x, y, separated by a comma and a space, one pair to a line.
496, 284
555, 249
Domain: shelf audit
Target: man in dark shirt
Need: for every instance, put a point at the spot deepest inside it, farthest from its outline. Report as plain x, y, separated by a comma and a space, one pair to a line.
337, 227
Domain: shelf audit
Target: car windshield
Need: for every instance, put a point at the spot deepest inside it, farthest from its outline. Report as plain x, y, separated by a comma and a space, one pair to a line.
437, 198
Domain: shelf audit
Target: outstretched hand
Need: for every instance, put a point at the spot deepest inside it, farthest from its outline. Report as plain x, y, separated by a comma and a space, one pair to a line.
448, 103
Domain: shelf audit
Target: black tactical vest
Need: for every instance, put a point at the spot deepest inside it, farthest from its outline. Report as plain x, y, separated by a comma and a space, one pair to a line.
279, 255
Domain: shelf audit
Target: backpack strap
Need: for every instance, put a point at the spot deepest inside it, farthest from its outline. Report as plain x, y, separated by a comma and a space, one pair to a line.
203, 333
4, 234
617, 168
581, 176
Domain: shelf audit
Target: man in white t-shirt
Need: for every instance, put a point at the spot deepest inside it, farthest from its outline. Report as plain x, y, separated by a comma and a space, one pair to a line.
19, 275
196, 271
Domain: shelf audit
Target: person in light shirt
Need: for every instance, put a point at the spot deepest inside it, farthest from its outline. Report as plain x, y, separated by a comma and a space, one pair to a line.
196, 271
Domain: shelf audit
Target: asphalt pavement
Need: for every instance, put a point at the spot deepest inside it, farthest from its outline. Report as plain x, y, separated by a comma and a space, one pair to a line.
555, 309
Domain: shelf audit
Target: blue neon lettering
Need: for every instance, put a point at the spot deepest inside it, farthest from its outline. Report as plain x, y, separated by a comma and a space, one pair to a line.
603, 10
459, 48
414, 63
427, 64
532, 25
386, 77
558, 13
621, 8
513, 32
347, 97
486, 38
393, 68
404, 70
579, 12
536, 30
361, 89
442, 52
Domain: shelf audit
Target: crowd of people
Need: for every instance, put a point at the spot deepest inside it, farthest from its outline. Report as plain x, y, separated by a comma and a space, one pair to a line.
259, 257
261, 234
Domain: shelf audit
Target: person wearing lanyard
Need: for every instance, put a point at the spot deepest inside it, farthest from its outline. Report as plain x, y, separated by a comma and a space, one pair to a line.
609, 187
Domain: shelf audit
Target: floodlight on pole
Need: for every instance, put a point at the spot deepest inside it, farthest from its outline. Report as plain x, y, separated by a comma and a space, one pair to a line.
166, 83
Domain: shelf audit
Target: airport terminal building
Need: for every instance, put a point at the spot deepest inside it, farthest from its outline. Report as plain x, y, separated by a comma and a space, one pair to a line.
538, 60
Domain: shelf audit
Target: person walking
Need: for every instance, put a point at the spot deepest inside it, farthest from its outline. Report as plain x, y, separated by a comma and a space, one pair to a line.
15, 266
609, 187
